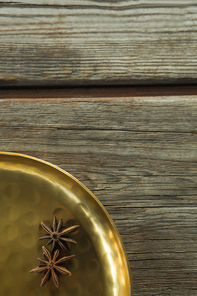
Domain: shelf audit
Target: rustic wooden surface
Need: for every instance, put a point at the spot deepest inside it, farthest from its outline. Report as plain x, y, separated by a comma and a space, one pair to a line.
138, 155
61, 42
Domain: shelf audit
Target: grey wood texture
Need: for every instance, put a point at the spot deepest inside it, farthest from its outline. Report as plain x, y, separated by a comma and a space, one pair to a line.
61, 42
138, 155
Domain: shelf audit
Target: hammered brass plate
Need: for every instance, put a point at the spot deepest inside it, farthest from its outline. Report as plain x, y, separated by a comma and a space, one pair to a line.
32, 190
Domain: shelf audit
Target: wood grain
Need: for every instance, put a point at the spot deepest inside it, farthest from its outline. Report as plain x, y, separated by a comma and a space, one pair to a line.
56, 42
138, 155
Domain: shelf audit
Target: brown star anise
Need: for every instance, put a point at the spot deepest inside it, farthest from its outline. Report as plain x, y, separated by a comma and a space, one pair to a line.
57, 234
50, 266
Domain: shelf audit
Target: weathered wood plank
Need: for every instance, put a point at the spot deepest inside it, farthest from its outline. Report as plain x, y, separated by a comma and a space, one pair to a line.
97, 42
138, 155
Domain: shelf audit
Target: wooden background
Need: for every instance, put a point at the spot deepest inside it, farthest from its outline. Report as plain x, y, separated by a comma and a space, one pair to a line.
137, 154
62, 42
134, 147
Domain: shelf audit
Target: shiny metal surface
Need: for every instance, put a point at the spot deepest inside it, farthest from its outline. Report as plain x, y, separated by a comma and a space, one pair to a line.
32, 190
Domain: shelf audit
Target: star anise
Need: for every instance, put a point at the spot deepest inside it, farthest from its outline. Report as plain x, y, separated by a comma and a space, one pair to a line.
51, 266
57, 234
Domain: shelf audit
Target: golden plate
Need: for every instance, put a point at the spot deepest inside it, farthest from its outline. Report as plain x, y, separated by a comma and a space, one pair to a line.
31, 191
